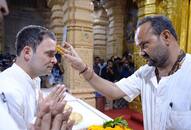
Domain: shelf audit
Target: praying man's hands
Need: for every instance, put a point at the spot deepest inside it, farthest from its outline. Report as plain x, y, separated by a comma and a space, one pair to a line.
49, 119
50, 115
56, 96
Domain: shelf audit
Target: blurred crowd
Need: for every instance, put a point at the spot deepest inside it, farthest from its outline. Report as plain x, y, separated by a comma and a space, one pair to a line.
113, 70
6, 60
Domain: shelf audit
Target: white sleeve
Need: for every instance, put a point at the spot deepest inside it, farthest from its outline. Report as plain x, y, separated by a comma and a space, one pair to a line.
6, 121
16, 108
131, 86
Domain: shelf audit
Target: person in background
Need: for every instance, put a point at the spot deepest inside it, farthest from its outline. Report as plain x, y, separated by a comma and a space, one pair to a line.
164, 83
96, 66
6, 60
3, 8
101, 65
107, 71
127, 69
56, 76
117, 68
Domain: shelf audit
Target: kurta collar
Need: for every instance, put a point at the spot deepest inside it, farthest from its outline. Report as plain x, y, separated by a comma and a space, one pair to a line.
23, 75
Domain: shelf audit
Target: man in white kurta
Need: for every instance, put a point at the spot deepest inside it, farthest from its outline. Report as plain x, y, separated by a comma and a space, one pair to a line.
167, 104
21, 94
35, 50
164, 83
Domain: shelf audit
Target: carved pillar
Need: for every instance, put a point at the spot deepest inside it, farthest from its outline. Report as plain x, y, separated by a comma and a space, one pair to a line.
115, 10
78, 19
180, 19
183, 22
170, 9
99, 29
174, 14
189, 32
147, 8
57, 18
162, 7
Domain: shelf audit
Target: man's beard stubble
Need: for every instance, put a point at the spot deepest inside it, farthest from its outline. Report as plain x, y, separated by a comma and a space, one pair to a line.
150, 61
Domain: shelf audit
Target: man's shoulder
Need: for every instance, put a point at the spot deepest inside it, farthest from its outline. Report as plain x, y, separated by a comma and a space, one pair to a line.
10, 85
187, 60
13, 93
9, 79
188, 56
145, 70
7, 72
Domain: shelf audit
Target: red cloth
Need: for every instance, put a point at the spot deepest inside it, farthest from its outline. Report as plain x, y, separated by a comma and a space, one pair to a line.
134, 119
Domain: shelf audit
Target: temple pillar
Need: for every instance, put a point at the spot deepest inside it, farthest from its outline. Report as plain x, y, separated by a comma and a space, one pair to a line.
78, 20
57, 18
99, 30
180, 20
115, 11
147, 8
183, 22
174, 14
189, 31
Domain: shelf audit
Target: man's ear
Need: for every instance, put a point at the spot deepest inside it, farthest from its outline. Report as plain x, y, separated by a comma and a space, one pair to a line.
166, 36
27, 53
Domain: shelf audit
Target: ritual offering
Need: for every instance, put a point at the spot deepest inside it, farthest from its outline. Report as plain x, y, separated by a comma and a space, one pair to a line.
60, 49
117, 124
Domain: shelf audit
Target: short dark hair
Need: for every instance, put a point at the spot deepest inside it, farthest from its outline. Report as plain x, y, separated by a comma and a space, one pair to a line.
159, 24
32, 36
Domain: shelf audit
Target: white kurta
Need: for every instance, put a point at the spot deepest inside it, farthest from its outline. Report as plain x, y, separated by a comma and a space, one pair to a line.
6, 121
21, 94
166, 105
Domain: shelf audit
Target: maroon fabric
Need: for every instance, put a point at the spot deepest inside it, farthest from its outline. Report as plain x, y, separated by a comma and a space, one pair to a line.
137, 117
134, 119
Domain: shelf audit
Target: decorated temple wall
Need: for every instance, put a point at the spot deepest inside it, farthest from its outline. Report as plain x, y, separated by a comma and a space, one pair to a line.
100, 32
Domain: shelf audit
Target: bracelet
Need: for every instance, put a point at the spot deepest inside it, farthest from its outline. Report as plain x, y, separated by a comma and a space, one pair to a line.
91, 76
86, 68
